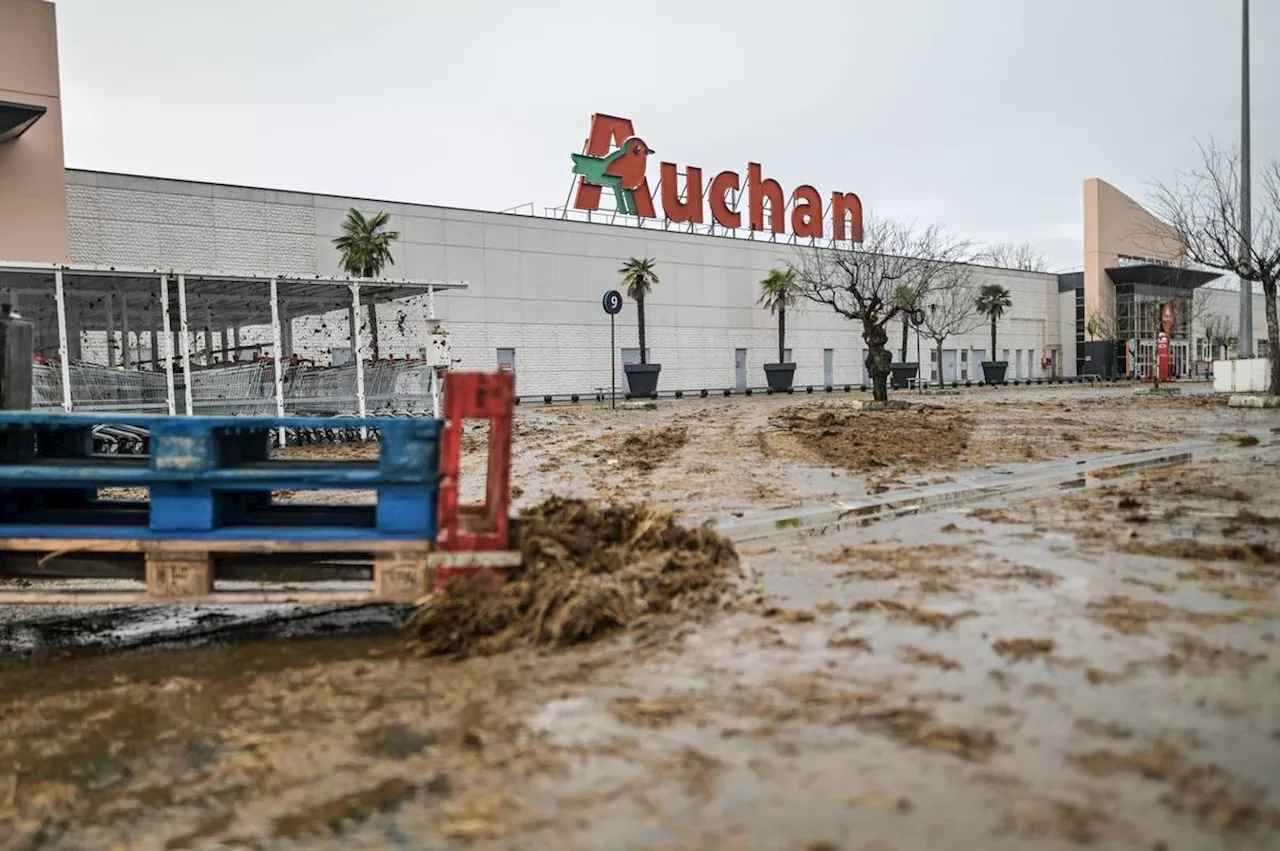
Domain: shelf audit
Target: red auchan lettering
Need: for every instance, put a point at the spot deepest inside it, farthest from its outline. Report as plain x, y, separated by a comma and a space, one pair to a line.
806, 217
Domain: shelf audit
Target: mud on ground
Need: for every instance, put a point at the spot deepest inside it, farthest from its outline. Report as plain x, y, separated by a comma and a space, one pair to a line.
712, 456
914, 685
1045, 671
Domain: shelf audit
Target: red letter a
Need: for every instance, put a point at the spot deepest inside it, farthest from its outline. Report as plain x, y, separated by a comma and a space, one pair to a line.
607, 132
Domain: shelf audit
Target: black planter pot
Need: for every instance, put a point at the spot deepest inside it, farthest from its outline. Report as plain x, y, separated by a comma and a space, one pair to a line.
901, 373
993, 371
779, 376
642, 379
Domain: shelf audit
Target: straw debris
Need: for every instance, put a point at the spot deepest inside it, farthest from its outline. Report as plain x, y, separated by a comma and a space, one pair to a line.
918, 728
1022, 649
587, 570
898, 610
1202, 790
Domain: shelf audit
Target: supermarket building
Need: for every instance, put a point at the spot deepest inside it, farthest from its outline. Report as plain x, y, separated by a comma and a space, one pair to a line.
532, 300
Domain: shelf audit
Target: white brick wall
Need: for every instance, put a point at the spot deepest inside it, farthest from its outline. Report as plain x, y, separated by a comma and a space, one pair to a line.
131, 221
535, 284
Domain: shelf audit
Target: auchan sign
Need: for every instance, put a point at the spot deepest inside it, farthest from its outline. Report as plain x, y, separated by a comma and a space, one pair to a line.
617, 158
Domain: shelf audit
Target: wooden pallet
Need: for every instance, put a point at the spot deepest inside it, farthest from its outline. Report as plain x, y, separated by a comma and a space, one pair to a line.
205, 473
210, 482
186, 570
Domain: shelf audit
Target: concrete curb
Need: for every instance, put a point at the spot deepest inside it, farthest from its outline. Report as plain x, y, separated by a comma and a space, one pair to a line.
599, 397
1241, 400
814, 522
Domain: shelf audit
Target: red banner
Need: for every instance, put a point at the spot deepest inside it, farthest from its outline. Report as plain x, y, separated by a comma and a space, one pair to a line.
1162, 356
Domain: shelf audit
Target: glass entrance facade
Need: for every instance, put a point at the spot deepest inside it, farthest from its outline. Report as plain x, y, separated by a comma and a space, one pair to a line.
1139, 318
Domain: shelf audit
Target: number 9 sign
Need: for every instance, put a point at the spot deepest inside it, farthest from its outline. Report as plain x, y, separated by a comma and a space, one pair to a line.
612, 302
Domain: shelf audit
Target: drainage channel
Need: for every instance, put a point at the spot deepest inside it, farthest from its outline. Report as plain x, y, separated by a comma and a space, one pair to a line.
1064, 475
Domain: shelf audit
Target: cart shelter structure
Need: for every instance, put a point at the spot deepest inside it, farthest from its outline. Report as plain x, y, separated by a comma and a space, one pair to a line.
190, 341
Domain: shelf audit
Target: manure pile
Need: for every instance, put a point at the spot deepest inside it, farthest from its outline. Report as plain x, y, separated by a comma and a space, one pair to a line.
588, 570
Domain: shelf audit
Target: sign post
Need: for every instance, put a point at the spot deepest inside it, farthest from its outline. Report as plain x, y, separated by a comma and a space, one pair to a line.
1163, 366
612, 303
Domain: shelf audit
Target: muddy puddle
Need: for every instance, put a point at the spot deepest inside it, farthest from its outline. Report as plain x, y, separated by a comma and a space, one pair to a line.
302, 740
297, 739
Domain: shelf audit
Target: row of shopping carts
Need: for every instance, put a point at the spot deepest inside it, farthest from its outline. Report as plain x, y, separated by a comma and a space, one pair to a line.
392, 389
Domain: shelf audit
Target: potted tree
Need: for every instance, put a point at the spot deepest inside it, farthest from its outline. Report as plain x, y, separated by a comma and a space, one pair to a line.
993, 301
779, 291
906, 298
366, 250
638, 279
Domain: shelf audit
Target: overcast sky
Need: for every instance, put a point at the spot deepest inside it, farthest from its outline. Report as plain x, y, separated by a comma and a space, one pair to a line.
983, 114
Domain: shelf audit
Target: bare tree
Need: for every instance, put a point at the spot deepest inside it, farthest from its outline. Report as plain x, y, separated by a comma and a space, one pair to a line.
1008, 255
1220, 332
1203, 208
1217, 328
861, 283
1103, 324
952, 311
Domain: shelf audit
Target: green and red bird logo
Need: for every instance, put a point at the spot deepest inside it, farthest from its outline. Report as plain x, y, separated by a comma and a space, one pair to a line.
621, 170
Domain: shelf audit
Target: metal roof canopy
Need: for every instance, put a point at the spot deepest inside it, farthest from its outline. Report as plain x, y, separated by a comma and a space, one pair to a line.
235, 299
1160, 275
42, 291
17, 118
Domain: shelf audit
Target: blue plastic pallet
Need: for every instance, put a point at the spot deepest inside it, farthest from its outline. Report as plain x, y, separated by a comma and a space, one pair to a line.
207, 476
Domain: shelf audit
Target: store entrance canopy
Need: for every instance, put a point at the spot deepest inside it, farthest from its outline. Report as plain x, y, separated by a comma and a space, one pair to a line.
15, 118
1160, 275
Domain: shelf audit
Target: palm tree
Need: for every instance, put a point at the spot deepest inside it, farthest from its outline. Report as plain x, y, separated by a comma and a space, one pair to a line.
777, 292
366, 250
638, 278
993, 300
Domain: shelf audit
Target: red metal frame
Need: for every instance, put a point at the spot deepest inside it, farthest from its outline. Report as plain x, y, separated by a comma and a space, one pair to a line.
483, 526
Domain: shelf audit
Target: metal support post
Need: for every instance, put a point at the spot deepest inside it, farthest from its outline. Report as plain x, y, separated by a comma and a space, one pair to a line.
279, 364
359, 344
60, 296
170, 395
186, 345
1246, 187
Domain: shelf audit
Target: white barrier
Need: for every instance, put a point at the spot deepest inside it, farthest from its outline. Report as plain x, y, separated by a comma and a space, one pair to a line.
1242, 376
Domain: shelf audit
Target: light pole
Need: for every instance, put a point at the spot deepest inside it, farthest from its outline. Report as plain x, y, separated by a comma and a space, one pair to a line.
1246, 224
